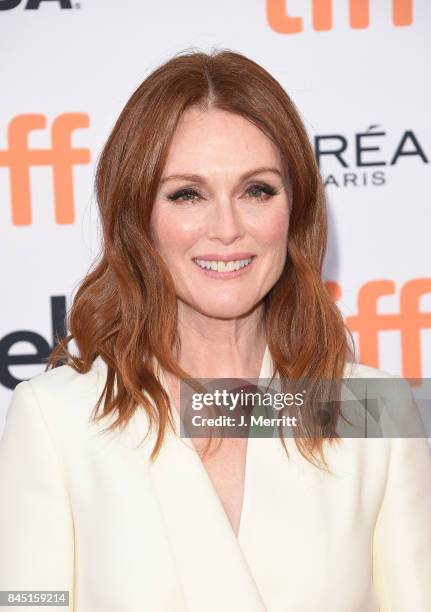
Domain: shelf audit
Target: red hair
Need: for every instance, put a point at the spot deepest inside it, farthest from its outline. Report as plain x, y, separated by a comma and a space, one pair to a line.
125, 308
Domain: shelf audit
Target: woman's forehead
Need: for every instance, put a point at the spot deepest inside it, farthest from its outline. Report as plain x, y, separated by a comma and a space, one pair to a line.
216, 141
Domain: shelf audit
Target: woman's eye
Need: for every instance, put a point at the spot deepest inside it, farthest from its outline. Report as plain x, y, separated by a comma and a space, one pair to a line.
262, 192
187, 195
257, 192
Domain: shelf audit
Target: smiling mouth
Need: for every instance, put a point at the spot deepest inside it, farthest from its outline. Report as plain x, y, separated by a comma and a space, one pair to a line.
224, 270
224, 266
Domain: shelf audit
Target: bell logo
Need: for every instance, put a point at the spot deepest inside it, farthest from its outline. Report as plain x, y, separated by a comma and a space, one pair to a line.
61, 156
359, 15
409, 321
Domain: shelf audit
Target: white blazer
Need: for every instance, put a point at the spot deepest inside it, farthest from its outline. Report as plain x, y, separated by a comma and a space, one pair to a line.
89, 514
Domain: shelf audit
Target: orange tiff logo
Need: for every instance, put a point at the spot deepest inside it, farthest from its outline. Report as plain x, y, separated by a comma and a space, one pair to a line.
409, 321
61, 157
359, 15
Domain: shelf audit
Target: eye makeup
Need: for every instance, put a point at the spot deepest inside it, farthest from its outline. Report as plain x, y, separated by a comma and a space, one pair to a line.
191, 194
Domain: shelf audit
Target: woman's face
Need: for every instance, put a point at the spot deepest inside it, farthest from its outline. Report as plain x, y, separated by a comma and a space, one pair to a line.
232, 212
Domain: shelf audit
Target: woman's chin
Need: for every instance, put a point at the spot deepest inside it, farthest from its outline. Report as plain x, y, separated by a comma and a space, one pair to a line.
225, 310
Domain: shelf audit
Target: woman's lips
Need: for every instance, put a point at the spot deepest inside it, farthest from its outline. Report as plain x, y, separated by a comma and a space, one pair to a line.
226, 275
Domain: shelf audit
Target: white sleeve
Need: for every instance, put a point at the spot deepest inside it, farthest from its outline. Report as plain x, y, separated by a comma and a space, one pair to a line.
36, 525
402, 536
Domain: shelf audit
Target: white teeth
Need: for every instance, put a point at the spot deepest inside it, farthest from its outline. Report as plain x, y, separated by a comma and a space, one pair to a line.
223, 266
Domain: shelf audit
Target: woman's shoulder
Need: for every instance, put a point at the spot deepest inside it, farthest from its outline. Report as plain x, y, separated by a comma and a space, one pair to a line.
64, 379
62, 392
354, 369
389, 398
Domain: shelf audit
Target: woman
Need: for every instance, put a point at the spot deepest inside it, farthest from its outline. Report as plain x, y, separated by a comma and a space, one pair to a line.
208, 163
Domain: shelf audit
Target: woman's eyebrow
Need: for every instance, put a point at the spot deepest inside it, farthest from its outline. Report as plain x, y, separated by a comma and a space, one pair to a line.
197, 178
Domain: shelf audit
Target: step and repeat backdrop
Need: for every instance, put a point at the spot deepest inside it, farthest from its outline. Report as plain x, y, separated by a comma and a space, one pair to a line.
358, 71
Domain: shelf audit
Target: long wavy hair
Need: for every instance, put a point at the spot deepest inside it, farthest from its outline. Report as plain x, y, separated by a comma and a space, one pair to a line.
125, 309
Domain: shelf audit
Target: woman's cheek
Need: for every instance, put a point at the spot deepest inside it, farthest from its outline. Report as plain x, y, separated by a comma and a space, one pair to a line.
272, 230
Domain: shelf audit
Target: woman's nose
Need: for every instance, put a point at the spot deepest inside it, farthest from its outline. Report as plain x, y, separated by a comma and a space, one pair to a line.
225, 222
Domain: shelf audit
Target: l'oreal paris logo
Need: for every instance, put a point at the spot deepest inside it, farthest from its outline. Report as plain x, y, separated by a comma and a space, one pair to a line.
352, 161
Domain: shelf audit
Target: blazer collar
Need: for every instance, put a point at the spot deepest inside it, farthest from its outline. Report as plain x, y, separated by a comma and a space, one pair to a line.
218, 571
210, 562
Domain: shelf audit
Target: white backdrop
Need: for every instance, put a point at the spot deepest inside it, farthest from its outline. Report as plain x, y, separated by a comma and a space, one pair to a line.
363, 92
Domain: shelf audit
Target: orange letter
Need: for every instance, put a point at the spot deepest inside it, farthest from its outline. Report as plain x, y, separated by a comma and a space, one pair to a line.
279, 20
412, 321
322, 14
402, 12
64, 157
359, 14
368, 322
19, 159
61, 157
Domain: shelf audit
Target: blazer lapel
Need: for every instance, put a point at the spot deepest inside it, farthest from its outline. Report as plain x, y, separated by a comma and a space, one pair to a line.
212, 568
